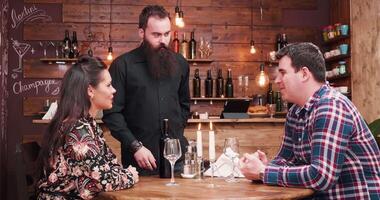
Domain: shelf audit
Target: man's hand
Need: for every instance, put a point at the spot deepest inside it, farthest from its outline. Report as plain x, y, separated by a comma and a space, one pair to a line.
135, 173
145, 159
262, 157
251, 166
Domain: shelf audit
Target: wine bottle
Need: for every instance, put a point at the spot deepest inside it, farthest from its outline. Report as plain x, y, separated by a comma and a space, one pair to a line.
196, 84
220, 84
278, 42
229, 85
208, 84
270, 96
175, 43
74, 45
192, 46
164, 168
284, 40
184, 47
278, 102
66, 45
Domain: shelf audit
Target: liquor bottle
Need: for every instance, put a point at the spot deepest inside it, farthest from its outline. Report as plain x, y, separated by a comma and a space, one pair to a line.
175, 44
192, 46
208, 84
278, 102
196, 84
284, 40
220, 84
270, 95
278, 42
184, 47
164, 169
66, 44
74, 45
229, 85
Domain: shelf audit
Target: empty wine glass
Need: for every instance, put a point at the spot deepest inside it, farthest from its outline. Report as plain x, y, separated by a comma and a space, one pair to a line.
231, 150
271, 110
172, 152
240, 85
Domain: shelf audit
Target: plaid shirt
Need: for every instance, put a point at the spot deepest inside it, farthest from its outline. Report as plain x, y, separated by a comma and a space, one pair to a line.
327, 147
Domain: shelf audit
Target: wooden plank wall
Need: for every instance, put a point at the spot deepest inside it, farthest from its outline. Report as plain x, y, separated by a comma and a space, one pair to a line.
226, 23
366, 57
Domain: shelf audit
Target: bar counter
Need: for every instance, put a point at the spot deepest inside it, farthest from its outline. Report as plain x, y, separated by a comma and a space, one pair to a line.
253, 134
155, 188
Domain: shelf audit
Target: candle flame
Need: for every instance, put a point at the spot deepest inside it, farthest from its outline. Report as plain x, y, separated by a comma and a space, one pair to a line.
210, 125
199, 126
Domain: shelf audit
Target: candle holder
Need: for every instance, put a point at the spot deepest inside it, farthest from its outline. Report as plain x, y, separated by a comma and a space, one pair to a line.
212, 166
199, 162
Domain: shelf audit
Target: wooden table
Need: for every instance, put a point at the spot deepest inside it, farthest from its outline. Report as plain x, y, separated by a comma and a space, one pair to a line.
155, 188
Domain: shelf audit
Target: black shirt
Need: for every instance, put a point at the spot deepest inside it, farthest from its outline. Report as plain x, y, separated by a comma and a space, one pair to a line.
141, 102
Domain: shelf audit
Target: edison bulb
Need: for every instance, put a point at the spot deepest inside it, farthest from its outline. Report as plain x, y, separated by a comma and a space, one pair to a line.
252, 50
109, 56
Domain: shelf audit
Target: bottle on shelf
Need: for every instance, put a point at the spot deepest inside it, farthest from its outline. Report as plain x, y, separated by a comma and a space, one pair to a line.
278, 42
278, 102
220, 84
184, 50
192, 46
66, 45
270, 95
196, 84
74, 45
229, 85
175, 43
208, 84
164, 168
284, 40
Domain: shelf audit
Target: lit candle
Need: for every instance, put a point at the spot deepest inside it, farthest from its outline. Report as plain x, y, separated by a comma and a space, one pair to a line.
211, 145
199, 141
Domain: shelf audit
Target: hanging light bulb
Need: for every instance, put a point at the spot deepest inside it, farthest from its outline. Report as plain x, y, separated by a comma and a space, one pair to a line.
262, 78
181, 22
253, 49
110, 54
177, 18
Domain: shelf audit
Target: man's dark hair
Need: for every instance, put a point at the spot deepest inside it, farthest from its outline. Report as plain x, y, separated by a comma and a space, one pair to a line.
308, 55
149, 11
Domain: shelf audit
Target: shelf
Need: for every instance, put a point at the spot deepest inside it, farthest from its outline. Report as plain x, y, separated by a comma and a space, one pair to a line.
200, 60
59, 60
248, 120
218, 98
340, 77
337, 58
336, 40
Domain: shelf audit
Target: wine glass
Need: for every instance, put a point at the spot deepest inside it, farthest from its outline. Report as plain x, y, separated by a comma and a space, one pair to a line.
231, 150
172, 152
271, 110
240, 84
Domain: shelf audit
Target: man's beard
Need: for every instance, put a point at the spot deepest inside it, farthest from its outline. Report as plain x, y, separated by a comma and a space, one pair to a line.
162, 62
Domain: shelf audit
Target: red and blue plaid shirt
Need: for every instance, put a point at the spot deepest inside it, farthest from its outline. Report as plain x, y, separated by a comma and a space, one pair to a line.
327, 147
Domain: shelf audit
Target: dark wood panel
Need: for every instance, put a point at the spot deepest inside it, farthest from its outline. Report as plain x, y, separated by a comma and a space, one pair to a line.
340, 11
193, 15
32, 106
34, 68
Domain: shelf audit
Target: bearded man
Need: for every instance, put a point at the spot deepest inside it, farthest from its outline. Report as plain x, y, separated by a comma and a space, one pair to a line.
152, 84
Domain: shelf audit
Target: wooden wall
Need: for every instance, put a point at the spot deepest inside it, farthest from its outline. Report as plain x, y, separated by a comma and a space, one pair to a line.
366, 57
225, 23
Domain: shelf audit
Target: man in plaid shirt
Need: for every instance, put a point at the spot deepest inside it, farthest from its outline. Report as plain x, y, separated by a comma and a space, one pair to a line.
327, 145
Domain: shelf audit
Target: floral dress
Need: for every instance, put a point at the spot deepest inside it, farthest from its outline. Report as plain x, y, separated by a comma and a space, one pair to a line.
83, 166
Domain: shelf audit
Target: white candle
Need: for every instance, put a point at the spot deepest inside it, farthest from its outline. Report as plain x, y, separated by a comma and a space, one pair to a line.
211, 145
199, 141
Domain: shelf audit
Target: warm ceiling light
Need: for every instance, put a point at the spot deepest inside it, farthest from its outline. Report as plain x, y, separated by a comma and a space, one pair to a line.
110, 54
262, 78
253, 49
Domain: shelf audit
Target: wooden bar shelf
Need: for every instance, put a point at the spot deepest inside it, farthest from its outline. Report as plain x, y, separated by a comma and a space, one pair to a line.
200, 60
340, 77
59, 60
336, 39
337, 58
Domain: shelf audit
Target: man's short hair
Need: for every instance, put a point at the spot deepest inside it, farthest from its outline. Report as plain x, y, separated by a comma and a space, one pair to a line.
308, 55
149, 11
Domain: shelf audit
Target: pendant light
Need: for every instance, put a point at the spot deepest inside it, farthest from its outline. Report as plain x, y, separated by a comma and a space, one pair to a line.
179, 22
110, 50
262, 79
90, 34
253, 49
